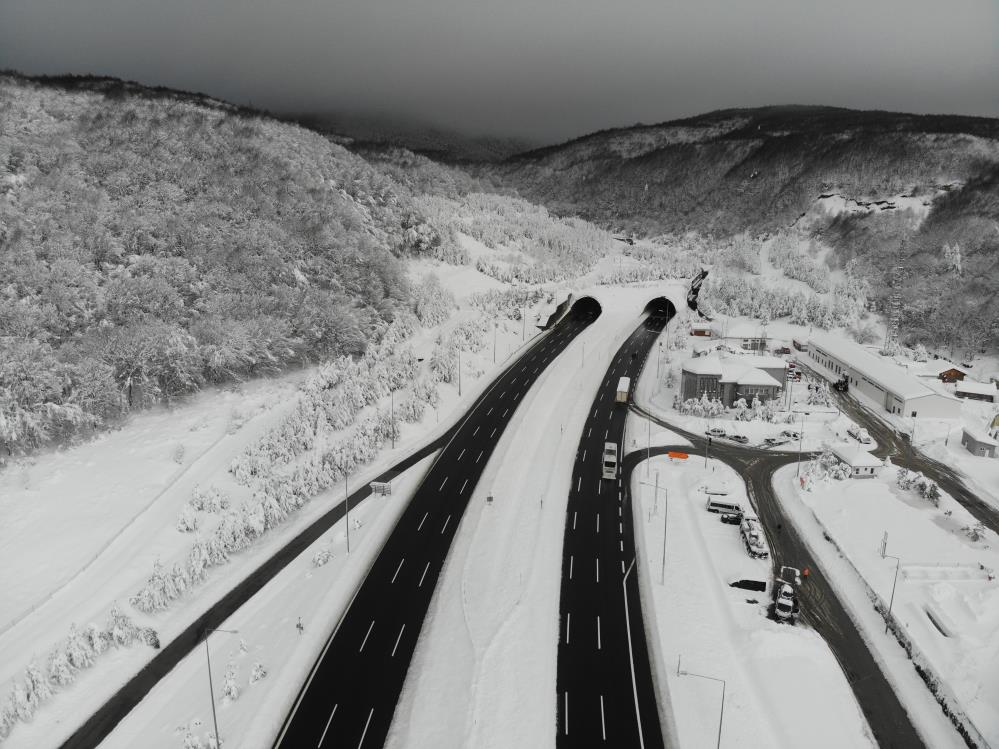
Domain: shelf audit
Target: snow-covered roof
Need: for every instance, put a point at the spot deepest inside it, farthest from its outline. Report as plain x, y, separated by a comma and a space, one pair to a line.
876, 368
754, 376
977, 388
735, 370
855, 457
934, 367
980, 435
703, 365
740, 330
764, 362
701, 347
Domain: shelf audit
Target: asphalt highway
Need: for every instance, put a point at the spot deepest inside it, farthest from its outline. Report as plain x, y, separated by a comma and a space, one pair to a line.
351, 694
605, 688
820, 606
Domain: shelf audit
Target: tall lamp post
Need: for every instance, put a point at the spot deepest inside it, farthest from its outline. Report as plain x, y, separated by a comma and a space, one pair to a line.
721, 715
211, 689
891, 601
495, 325
801, 439
346, 515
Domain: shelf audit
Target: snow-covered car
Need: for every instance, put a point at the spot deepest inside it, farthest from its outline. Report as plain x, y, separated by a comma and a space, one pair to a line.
715, 432
753, 537
732, 518
860, 434
791, 434
784, 603
740, 438
774, 441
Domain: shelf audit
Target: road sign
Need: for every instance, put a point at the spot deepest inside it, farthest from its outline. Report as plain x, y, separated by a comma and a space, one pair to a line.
677, 456
381, 487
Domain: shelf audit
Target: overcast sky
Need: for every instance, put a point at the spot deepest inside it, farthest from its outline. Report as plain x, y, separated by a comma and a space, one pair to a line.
544, 69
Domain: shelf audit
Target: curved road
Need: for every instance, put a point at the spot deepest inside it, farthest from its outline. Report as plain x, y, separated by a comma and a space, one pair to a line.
820, 605
351, 694
605, 691
103, 721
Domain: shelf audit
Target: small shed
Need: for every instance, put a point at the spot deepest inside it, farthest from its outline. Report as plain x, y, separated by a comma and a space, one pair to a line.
979, 391
978, 442
700, 329
861, 463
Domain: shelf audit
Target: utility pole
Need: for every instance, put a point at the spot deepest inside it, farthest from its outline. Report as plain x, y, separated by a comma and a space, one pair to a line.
665, 516
211, 689
495, 325
891, 601
459, 372
801, 440
706, 452
648, 453
346, 499
392, 416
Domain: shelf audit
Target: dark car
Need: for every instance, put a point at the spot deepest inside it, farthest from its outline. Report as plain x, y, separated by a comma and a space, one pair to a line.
732, 518
782, 350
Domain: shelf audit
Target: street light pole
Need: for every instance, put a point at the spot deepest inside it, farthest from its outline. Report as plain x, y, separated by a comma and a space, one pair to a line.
495, 325
801, 440
392, 417
211, 688
459, 373
721, 715
665, 516
892, 599
648, 452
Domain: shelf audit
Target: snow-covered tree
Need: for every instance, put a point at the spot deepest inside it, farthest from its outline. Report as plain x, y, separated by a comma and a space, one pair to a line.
230, 689
933, 494
322, 556
60, 670
188, 520
78, 649
8, 717
36, 682
952, 258
23, 702
120, 627
257, 673
919, 353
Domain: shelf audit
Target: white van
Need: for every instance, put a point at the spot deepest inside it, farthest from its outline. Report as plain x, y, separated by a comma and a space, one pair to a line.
610, 460
720, 505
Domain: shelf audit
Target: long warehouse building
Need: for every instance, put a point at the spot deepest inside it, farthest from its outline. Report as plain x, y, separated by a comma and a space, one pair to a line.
879, 379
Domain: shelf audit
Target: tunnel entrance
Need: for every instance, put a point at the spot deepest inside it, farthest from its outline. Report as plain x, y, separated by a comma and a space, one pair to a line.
585, 308
660, 307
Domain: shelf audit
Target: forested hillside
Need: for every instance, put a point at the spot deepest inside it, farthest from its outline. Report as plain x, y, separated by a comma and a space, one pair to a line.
152, 241
876, 187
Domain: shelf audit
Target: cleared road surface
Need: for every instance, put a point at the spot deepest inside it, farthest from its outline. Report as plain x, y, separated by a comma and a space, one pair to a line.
351, 695
605, 689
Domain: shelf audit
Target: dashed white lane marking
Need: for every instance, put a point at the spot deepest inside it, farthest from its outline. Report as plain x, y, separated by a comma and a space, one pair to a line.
327, 725
579, 483
396, 646
480, 456
420, 526
446, 520
598, 522
603, 723
502, 394
571, 558
516, 395
366, 636
589, 431
609, 415
460, 454
606, 433
443, 482
598, 569
620, 528
566, 713
493, 434
599, 484
420, 584
397, 569
463, 487
476, 431
568, 623
619, 511
365, 731
574, 513
598, 632
489, 411
505, 411
584, 456
621, 544
622, 566
513, 381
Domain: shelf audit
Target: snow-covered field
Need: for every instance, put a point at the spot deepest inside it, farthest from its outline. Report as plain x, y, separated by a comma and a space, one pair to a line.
947, 595
266, 625
713, 629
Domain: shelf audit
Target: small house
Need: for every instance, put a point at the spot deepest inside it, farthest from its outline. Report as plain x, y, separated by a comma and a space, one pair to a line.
977, 442
861, 463
700, 329
942, 370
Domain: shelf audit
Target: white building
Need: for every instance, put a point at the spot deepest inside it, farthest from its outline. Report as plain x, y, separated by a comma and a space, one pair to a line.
978, 442
861, 463
879, 379
979, 391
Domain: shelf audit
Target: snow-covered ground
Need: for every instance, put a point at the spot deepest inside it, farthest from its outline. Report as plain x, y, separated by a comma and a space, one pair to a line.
853, 591
266, 624
947, 596
713, 629
484, 670
74, 560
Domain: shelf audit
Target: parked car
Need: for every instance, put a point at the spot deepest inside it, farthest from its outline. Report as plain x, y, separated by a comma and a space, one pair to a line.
860, 434
782, 350
752, 536
715, 432
791, 434
784, 603
732, 518
774, 441
740, 438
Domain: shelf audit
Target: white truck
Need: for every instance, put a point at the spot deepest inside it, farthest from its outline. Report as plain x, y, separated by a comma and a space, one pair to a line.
623, 387
610, 460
